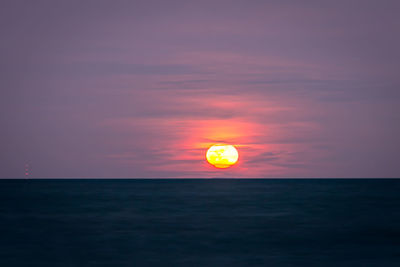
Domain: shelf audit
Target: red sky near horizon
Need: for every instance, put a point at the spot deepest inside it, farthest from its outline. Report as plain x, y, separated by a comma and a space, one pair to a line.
135, 89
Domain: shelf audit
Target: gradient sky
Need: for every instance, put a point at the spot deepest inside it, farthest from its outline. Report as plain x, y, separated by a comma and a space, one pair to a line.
142, 88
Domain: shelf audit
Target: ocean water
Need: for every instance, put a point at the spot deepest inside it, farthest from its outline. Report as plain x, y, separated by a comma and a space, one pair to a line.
210, 222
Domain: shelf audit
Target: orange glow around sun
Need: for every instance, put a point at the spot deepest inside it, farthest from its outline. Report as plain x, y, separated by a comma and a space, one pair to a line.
222, 156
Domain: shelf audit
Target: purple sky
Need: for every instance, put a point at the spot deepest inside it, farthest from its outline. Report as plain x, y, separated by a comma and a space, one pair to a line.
142, 88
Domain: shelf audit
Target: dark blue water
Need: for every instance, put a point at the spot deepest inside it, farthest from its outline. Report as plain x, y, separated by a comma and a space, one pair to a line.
200, 223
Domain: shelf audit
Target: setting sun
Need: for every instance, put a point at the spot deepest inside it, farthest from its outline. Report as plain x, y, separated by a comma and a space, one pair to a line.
222, 156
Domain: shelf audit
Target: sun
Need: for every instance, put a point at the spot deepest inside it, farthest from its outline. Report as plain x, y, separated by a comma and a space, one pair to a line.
222, 156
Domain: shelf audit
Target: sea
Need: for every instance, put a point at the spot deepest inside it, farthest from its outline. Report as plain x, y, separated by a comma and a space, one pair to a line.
200, 222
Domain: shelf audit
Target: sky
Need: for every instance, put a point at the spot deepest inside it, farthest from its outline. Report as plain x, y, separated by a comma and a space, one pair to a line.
141, 89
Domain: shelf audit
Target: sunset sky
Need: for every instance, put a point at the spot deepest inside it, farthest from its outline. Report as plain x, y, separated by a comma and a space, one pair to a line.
141, 89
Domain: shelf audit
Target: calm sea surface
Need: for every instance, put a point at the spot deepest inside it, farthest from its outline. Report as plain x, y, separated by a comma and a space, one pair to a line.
211, 222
